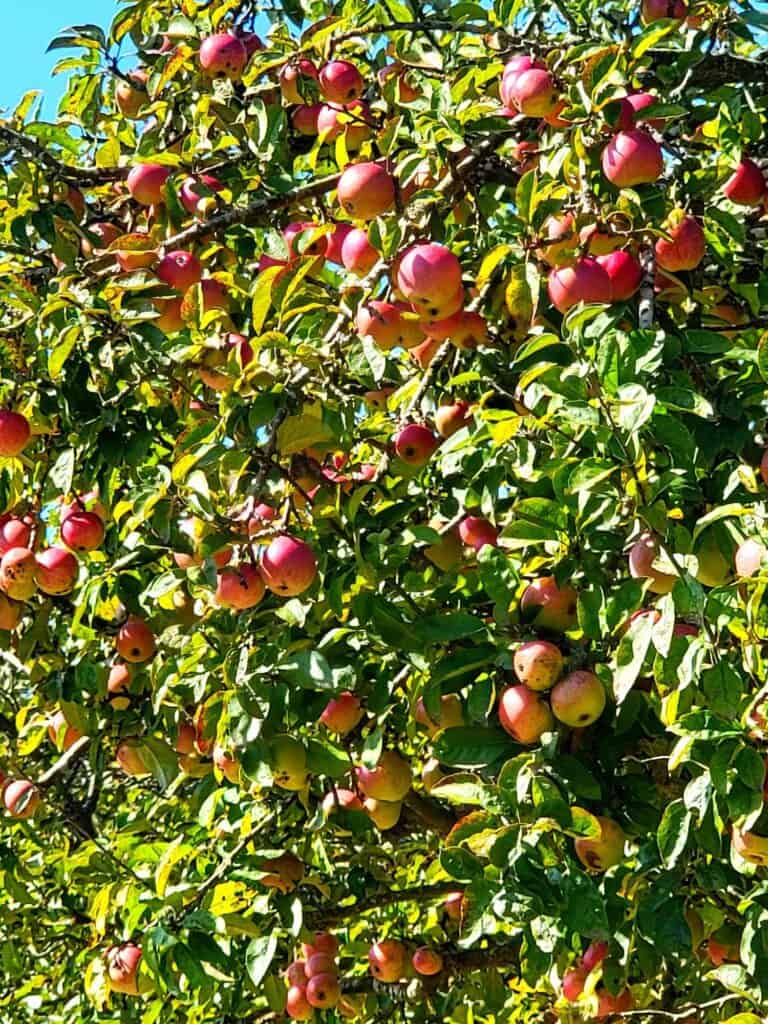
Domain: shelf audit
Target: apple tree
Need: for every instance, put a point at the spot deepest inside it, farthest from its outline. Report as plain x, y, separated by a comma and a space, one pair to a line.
383, 544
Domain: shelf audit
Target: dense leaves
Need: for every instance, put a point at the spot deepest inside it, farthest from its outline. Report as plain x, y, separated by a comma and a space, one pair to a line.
384, 536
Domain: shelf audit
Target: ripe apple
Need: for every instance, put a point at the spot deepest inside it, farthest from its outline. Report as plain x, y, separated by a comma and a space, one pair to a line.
191, 194
594, 954
632, 158
388, 325
385, 814
746, 186
532, 92
10, 613
228, 765
478, 532
342, 714
548, 606
294, 78
15, 433
130, 756
455, 905
340, 81
579, 699
524, 715
642, 556
655, 10
538, 664
415, 444
357, 254
296, 973
297, 1006
340, 799
447, 553
82, 531
131, 96
573, 983
287, 872
389, 780
559, 242
608, 1005
387, 960
135, 641
429, 276
239, 587
288, 566
118, 686
179, 269
451, 418
146, 183
17, 573
304, 118
624, 273
21, 798
14, 533
685, 248
366, 191
56, 570
605, 851
98, 237
223, 54
585, 281
123, 968
427, 961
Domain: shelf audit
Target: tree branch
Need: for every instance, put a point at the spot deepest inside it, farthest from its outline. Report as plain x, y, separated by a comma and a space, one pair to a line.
64, 172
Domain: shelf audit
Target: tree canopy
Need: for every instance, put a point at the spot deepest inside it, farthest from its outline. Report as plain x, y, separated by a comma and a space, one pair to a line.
383, 477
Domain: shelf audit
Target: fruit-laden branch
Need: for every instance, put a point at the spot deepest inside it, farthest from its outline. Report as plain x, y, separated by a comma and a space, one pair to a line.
253, 212
322, 919
63, 172
454, 962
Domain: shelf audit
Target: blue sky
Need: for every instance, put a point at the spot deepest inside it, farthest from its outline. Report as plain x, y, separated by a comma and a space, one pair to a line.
27, 28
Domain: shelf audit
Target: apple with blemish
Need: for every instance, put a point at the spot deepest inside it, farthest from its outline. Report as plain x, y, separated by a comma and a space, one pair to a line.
538, 664
578, 700
135, 641
17, 573
223, 54
415, 444
606, 850
549, 606
388, 960
340, 81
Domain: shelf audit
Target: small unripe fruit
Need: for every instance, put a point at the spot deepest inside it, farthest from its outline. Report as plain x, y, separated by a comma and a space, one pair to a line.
14, 433
578, 700
228, 765
135, 642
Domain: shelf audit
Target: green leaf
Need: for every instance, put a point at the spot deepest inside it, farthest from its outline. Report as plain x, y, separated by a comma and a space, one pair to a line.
472, 746
259, 955
672, 836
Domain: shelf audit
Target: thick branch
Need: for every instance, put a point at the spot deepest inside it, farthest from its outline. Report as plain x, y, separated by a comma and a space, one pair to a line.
63, 172
67, 758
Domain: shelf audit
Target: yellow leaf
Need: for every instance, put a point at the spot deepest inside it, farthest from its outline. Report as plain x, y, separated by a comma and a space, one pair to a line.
228, 898
302, 431
174, 853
